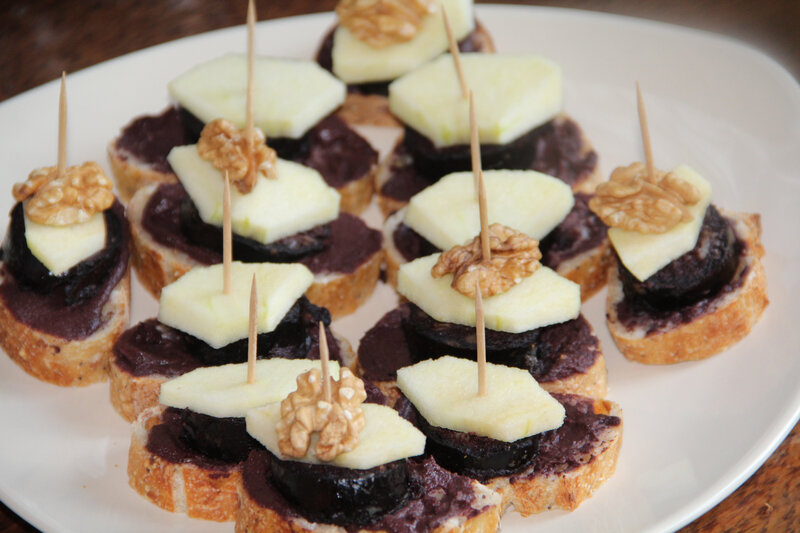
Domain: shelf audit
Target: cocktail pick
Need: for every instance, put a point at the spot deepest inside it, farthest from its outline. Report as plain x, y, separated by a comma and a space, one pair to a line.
480, 329
62, 127
227, 236
252, 341
324, 358
648, 148
455, 53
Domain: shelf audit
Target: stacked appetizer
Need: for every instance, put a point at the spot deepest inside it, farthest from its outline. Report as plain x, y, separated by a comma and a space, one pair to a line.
521, 125
64, 276
376, 42
199, 326
294, 102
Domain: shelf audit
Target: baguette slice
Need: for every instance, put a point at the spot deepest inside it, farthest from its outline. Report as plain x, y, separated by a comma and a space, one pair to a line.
61, 361
729, 318
131, 395
158, 265
566, 486
588, 269
210, 494
253, 518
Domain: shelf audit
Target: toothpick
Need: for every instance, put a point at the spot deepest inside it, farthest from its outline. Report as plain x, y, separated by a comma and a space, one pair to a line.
480, 328
455, 53
227, 237
324, 357
250, 128
474, 142
480, 187
62, 126
648, 148
252, 341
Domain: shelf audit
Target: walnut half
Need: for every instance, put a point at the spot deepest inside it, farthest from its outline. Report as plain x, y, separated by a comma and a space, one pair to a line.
227, 149
75, 197
305, 411
381, 23
514, 256
630, 201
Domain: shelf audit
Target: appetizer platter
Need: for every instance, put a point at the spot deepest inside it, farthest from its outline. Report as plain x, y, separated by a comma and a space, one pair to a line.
694, 431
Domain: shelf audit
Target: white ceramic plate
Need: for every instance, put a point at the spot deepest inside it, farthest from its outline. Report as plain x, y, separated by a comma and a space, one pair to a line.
693, 432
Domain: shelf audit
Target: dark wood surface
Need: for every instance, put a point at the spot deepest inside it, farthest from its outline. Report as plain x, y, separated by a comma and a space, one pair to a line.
40, 38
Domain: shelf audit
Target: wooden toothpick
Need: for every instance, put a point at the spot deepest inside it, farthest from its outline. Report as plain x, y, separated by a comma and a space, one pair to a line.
480, 329
455, 53
323, 358
648, 148
227, 236
480, 187
62, 127
250, 128
252, 341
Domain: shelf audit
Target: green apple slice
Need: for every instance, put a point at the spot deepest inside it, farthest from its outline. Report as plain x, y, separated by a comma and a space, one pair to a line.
513, 95
644, 254
223, 391
60, 248
291, 95
386, 437
447, 213
196, 305
355, 61
297, 200
445, 392
539, 300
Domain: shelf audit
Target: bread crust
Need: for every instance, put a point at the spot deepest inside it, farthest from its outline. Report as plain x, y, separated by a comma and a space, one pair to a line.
588, 269
61, 361
373, 109
180, 487
131, 395
566, 490
389, 205
132, 174
158, 266
252, 518
729, 320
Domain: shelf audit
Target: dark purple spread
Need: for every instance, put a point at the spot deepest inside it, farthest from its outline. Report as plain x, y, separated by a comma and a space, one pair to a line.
636, 311
350, 244
152, 348
557, 149
331, 147
69, 306
579, 232
556, 352
150, 138
470, 43
435, 495
337, 152
571, 445
175, 440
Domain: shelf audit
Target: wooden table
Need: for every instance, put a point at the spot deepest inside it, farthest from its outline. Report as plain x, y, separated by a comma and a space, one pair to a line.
40, 38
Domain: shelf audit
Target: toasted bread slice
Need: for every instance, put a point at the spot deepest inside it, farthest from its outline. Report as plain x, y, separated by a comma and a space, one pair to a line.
484, 515
180, 487
131, 395
729, 317
61, 361
565, 485
158, 265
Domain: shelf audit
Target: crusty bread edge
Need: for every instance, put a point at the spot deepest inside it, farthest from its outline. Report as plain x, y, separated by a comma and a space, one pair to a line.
566, 490
65, 362
131, 395
252, 518
157, 266
180, 487
131, 174
732, 317
588, 269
